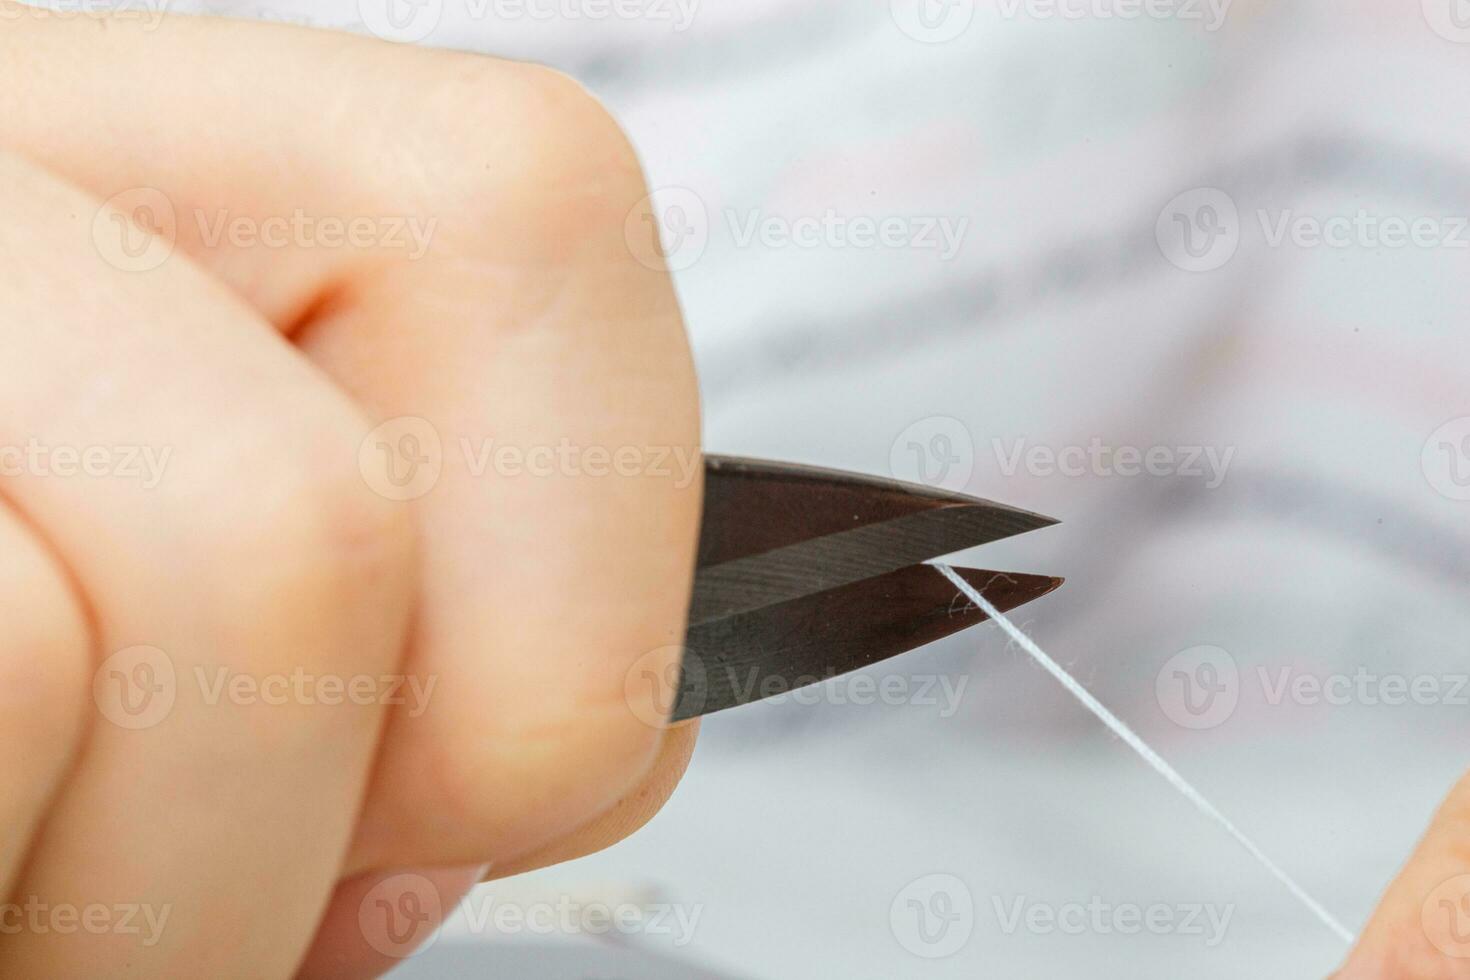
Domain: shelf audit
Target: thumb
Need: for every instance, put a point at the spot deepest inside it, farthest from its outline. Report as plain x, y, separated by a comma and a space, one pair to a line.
1421, 930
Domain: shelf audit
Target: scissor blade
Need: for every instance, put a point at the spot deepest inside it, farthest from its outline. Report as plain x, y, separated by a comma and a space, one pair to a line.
782, 648
827, 562
752, 506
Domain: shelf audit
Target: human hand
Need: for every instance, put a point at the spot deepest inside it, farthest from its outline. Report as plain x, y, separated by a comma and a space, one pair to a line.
270, 547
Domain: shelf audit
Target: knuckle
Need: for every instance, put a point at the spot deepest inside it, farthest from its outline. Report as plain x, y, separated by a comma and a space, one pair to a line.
556, 167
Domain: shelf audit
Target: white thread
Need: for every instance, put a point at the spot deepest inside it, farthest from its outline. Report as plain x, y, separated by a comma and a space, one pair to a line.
1145, 752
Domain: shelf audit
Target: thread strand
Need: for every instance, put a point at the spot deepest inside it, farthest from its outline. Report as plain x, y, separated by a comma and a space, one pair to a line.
1138, 745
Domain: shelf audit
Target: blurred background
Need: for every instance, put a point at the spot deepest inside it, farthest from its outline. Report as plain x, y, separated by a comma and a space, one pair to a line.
1191, 275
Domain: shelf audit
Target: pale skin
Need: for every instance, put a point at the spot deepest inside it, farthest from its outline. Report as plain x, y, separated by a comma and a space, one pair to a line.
533, 316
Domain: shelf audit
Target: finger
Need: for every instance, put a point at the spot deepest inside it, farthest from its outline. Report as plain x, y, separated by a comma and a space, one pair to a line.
546, 581
285, 193
251, 550
628, 816
1421, 929
377, 920
365, 932
45, 671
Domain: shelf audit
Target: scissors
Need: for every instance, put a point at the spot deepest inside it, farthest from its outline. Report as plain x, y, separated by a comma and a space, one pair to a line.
805, 574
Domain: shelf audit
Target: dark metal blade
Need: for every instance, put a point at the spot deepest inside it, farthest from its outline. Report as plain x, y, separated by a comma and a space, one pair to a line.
755, 506
782, 648
773, 533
